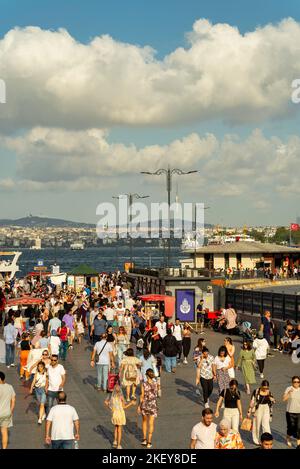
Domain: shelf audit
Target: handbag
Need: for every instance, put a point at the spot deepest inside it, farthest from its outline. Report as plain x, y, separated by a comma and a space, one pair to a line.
113, 379
246, 424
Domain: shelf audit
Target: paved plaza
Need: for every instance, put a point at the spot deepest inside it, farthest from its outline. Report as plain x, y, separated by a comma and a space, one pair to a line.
179, 408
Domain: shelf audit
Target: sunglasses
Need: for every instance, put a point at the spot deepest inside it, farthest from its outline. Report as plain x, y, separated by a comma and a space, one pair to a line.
296, 382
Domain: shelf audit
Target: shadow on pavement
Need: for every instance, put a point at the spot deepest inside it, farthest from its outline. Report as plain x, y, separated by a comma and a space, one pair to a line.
105, 433
133, 428
91, 380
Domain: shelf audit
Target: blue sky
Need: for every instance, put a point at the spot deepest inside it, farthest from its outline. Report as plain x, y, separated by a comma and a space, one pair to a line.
163, 26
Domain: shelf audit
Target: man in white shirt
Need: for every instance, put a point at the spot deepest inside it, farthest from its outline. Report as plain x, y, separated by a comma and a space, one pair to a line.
120, 309
177, 333
54, 324
60, 424
104, 351
204, 433
56, 380
54, 343
162, 327
109, 313
7, 405
93, 314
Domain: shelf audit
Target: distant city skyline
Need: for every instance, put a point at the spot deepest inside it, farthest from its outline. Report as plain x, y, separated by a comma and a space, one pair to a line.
138, 86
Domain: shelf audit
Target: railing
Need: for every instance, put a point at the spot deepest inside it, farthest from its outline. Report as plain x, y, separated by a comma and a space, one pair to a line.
175, 272
281, 305
200, 272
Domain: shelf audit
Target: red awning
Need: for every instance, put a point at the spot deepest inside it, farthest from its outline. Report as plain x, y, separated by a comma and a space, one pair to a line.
38, 274
25, 300
169, 302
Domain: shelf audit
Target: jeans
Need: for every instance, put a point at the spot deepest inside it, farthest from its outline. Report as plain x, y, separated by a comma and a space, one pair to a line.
9, 354
63, 349
52, 395
121, 348
170, 363
102, 376
62, 444
207, 388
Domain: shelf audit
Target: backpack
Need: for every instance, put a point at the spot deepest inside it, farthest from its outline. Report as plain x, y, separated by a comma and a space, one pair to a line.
63, 334
131, 372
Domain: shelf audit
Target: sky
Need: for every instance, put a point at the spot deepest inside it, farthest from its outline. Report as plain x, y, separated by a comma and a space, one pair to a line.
97, 92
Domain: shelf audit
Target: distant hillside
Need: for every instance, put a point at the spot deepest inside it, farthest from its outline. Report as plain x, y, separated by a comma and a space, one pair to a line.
41, 222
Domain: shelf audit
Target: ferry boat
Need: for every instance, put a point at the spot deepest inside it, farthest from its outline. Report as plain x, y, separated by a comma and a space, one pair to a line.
77, 246
9, 268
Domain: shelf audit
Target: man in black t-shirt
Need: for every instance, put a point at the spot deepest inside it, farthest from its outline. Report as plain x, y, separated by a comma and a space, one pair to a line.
201, 315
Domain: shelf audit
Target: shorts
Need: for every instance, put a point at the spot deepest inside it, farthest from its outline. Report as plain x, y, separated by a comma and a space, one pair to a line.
6, 422
40, 395
72, 334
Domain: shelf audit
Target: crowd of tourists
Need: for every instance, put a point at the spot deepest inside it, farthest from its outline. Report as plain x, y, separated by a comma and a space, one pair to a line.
130, 347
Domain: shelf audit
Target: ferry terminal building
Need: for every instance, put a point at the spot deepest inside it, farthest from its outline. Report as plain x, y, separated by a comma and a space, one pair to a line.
241, 255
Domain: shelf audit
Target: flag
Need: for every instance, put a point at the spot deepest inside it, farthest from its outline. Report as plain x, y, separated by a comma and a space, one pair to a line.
295, 227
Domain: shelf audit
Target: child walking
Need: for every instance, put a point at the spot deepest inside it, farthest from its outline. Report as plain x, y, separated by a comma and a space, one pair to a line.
116, 403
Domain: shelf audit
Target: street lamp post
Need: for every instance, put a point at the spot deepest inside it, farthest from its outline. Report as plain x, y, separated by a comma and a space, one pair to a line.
130, 198
169, 173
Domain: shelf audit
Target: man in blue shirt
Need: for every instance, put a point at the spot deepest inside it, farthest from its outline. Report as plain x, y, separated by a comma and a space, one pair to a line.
10, 335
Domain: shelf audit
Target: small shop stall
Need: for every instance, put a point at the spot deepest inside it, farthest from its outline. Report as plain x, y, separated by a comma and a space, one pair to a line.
166, 303
82, 276
23, 302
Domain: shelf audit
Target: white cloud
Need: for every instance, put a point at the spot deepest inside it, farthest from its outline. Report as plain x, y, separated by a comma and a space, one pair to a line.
54, 80
59, 159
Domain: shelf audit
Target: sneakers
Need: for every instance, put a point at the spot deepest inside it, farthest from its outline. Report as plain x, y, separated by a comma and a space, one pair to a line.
185, 362
261, 375
40, 421
206, 406
198, 392
8, 366
12, 364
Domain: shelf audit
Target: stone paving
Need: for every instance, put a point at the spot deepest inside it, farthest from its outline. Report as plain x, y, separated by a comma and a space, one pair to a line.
179, 407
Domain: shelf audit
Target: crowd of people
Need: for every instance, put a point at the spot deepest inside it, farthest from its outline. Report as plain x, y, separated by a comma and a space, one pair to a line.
131, 346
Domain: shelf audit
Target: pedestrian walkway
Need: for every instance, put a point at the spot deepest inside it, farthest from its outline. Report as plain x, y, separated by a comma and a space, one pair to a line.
179, 407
